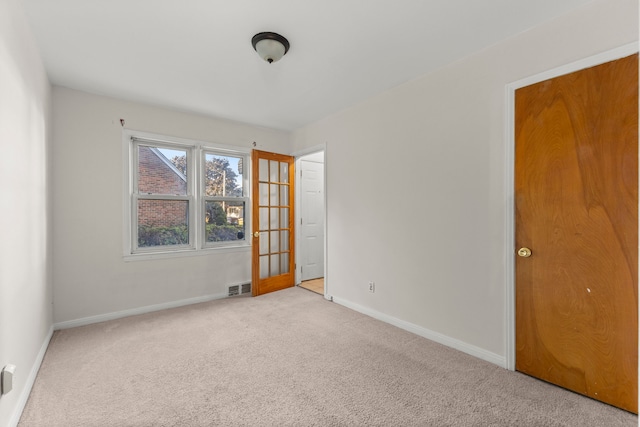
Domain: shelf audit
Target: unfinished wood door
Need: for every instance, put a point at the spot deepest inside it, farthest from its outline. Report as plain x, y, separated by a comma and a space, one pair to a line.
273, 255
576, 203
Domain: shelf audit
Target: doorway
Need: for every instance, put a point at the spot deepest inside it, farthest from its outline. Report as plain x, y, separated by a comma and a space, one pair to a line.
311, 221
575, 295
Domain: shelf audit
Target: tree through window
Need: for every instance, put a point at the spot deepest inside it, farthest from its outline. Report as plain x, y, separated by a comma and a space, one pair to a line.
224, 212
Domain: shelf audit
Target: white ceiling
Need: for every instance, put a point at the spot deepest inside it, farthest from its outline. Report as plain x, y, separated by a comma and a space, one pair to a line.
196, 55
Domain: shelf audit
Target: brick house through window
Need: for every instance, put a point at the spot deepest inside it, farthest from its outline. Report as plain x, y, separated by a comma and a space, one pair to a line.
158, 175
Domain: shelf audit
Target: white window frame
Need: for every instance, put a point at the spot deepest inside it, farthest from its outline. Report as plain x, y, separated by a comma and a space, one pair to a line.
221, 151
196, 152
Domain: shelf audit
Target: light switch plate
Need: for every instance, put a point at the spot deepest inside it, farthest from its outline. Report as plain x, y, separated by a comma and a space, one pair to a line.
6, 383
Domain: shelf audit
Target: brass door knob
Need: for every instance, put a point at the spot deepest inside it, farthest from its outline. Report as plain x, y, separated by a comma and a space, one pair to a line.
256, 234
524, 252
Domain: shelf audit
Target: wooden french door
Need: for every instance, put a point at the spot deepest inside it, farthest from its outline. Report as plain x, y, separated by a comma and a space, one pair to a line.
576, 203
273, 255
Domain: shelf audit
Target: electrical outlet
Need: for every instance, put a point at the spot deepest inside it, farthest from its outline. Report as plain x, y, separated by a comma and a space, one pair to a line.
372, 287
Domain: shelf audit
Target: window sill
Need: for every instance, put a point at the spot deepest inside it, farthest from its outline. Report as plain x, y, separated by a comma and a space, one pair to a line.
145, 256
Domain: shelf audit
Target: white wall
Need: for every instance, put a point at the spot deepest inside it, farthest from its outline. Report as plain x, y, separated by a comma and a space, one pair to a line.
90, 277
25, 251
415, 182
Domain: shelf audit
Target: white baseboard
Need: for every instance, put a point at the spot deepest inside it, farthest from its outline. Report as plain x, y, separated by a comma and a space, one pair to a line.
134, 311
31, 379
428, 334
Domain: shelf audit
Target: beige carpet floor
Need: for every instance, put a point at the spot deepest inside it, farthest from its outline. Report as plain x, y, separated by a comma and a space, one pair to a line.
290, 358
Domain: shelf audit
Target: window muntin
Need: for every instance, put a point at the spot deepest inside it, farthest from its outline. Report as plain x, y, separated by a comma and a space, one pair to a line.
185, 196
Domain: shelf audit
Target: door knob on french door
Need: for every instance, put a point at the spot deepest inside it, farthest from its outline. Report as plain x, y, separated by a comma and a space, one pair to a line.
524, 252
256, 234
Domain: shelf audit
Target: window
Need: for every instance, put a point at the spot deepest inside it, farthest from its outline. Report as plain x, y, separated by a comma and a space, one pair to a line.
223, 198
184, 195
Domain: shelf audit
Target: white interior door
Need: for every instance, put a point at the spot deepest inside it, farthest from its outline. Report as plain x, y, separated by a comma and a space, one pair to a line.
311, 251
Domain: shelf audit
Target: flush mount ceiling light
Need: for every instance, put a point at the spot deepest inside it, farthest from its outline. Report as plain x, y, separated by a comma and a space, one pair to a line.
270, 46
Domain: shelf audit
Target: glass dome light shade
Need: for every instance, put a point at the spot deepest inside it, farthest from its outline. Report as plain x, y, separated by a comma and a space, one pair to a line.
270, 46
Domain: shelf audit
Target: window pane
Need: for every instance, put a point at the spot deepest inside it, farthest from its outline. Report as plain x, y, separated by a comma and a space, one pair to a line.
224, 221
284, 172
264, 194
264, 219
162, 223
273, 221
273, 171
285, 263
162, 171
222, 175
275, 265
274, 242
264, 243
284, 217
263, 167
284, 195
264, 267
284, 240
273, 195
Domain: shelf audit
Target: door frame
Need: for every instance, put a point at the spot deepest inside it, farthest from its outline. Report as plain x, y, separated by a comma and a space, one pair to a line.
509, 253
298, 214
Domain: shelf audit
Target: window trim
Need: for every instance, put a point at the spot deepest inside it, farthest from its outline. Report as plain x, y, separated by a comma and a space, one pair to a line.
135, 194
195, 197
